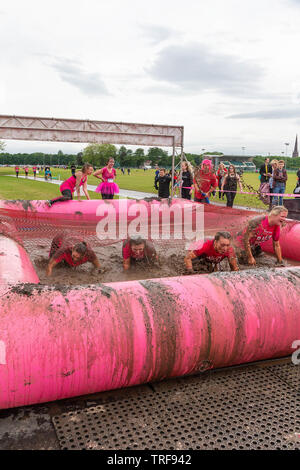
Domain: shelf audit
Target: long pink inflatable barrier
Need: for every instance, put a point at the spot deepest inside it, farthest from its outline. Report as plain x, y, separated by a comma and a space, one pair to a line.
59, 343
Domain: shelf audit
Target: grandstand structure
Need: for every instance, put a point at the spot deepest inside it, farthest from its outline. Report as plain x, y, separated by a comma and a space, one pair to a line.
241, 162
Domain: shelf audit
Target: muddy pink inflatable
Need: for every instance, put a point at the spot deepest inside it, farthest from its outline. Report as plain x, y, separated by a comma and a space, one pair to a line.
59, 342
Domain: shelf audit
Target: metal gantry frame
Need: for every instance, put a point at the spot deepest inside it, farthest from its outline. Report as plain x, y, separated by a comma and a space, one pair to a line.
92, 131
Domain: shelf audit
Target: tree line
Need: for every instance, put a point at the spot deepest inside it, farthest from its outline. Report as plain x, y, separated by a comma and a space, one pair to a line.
98, 155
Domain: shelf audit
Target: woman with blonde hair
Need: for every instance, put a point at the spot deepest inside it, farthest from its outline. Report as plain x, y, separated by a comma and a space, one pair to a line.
258, 230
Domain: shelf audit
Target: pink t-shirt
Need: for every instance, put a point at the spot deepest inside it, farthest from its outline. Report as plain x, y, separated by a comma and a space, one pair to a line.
208, 251
263, 231
106, 175
70, 183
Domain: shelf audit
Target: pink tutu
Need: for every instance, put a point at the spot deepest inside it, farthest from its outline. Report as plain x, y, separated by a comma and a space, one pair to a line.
107, 188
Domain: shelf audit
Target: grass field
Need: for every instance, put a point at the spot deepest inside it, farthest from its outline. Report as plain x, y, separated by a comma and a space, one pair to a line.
139, 180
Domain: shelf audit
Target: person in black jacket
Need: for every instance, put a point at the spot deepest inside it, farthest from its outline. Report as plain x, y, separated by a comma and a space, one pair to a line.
265, 171
187, 181
162, 184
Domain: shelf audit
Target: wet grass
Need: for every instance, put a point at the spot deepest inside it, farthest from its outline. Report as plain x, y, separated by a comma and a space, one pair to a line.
139, 180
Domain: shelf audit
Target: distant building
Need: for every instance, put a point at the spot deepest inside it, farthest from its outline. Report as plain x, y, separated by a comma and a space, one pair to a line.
295, 152
243, 162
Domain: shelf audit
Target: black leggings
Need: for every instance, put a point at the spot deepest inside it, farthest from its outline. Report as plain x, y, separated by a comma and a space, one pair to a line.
230, 198
107, 196
185, 193
66, 196
220, 192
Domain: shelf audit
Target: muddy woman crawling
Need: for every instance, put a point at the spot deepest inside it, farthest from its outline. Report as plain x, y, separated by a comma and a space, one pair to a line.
258, 230
71, 252
137, 249
212, 252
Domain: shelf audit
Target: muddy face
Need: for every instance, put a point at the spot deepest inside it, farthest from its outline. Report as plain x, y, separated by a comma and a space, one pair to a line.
222, 245
138, 250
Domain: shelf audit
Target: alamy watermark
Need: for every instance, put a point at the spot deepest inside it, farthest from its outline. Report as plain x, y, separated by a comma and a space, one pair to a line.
157, 221
296, 354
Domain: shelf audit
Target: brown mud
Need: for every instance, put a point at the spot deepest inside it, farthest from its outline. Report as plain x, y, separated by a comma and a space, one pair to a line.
171, 263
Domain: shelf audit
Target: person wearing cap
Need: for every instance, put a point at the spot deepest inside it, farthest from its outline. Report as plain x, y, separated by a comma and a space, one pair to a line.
212, 252
205, 181
137, 249
71, 251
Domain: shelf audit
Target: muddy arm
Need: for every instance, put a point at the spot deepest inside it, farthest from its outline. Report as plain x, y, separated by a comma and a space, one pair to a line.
233, 264
50, 266
277, 251
126, 264
188, 260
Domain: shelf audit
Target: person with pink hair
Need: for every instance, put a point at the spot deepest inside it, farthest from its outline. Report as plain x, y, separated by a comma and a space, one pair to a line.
205, 181
107, 174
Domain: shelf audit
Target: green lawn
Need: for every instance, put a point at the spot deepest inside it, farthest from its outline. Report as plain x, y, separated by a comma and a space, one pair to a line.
139, 180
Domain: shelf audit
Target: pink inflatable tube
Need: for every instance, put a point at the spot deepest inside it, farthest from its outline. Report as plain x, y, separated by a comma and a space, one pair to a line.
87, 214
58, 343
15, 265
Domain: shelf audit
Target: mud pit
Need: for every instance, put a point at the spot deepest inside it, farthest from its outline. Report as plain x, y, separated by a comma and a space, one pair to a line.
110, 257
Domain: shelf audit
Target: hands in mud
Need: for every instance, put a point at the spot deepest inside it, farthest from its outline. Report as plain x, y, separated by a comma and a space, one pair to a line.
190, 271
251, 261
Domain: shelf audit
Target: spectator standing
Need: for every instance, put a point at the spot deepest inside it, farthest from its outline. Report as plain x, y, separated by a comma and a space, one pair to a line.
221, 173
187, 181
230, 182
280, 178
162, 184
274, 164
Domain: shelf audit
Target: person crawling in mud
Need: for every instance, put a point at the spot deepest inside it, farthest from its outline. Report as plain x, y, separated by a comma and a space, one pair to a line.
212, 252
70, 251
137, 249
258, 230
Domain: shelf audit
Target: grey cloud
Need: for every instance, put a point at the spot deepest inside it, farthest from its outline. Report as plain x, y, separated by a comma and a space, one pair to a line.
197, 68
155, 34
88, 83
279, 113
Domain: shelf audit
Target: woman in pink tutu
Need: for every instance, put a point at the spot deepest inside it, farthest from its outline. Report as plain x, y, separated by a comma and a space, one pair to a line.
107, 174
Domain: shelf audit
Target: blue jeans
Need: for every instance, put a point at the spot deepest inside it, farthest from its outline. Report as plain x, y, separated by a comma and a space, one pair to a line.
279, 188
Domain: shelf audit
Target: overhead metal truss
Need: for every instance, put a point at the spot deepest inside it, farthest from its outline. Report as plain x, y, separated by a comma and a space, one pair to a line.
86, 131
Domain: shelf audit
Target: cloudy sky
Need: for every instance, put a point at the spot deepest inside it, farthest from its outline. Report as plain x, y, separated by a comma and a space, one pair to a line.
228, 71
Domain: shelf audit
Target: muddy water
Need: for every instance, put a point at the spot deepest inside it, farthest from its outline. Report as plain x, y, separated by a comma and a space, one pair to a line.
171, 263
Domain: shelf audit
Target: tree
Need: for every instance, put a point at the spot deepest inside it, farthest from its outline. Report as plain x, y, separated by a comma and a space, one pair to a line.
2, 146
99, 154
155, 154
78, 160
